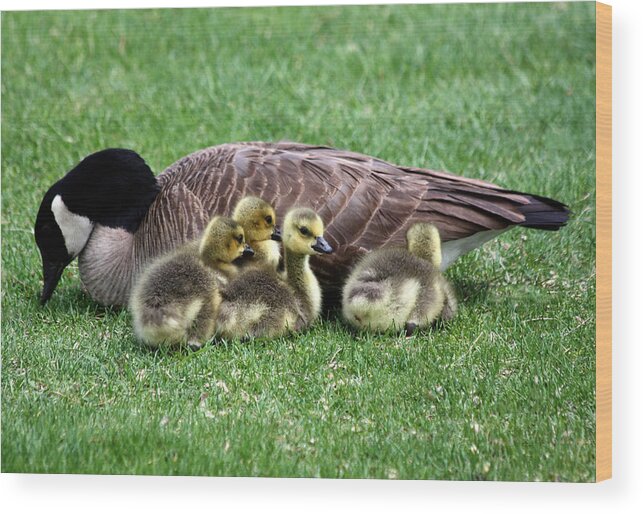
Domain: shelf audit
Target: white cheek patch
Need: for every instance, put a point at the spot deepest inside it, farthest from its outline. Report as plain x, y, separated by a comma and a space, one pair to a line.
75, 228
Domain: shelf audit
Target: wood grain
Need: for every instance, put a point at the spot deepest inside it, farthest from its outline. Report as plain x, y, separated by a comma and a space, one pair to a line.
603, 242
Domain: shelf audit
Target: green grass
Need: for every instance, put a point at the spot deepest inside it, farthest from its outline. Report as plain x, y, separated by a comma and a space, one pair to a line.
503, 92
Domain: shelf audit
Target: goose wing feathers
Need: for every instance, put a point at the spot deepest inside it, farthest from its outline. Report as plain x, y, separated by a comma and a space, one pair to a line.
176, 217
365, 202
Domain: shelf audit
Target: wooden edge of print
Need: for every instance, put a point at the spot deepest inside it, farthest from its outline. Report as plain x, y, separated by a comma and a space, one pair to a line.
603, 242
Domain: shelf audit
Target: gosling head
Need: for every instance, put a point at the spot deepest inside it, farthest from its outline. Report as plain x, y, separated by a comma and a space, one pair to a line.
423, 240
257, 218
223, 241
304, 233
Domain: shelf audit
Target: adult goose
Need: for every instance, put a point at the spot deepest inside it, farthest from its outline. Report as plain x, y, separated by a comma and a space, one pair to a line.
112, 213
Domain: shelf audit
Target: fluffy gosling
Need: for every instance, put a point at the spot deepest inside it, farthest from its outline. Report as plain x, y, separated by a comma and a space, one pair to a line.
260, 303
397, 287
175, 300
258, 220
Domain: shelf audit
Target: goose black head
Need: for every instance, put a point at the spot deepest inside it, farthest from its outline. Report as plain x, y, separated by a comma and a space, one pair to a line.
113, 188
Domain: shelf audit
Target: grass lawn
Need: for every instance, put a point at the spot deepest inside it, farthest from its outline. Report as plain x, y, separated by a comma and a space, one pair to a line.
502, 92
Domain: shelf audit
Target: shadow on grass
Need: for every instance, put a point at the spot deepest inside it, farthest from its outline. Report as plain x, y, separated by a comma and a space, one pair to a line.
75, 301
471, 292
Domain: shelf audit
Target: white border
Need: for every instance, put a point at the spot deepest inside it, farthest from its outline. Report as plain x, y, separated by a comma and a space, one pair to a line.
70, 494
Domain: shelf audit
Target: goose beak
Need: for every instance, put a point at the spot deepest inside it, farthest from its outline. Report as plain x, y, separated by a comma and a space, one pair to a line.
51, 273
247, 251
276, 234
322, 246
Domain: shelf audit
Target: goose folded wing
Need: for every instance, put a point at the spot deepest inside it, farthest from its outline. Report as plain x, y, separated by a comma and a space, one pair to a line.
176, 217
365, 203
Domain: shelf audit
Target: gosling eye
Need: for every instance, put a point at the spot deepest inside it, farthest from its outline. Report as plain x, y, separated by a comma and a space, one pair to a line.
304, 231
239, 238
269, 219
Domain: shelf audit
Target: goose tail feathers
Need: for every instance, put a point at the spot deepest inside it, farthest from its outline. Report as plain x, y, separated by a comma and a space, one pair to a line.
543, 213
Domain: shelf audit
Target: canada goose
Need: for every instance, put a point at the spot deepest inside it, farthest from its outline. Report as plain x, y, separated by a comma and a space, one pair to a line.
174, 301
397, 287
260, 303
258, 220
112, 213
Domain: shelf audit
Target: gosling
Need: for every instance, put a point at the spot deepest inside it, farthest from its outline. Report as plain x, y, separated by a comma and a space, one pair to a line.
260, 303
174, 302
258, 220
400, 288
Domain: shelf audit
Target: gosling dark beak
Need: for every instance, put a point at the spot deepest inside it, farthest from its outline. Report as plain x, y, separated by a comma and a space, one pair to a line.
276, 234
322, 246
51, 273
247, 251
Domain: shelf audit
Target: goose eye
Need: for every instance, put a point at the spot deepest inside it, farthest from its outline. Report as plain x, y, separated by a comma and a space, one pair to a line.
304, 231
239, 238
269, 219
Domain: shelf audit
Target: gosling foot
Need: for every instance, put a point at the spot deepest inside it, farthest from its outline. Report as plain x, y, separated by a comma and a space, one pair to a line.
410, 328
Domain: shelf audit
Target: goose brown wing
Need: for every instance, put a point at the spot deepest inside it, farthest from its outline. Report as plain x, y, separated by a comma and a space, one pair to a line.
458, 205
461, 206
176, 217
365, 202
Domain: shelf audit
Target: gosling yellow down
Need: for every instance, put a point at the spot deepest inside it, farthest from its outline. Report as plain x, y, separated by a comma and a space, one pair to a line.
395, 288
259, 223
261, 303
174, 302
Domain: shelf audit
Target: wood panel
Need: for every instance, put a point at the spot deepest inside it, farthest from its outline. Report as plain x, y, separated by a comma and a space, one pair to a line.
603, 242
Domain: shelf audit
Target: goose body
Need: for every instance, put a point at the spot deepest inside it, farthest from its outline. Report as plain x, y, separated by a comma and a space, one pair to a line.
261, 303
112, 213
175, 300
393, 288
